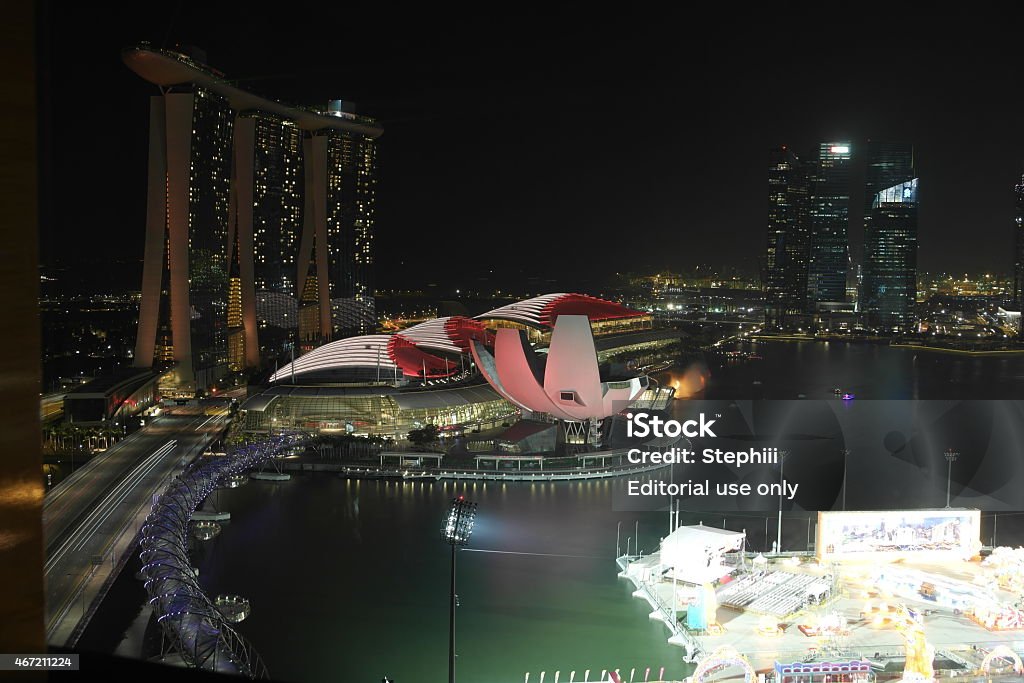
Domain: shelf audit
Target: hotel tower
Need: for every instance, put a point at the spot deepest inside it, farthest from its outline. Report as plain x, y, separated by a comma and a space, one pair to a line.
255, 210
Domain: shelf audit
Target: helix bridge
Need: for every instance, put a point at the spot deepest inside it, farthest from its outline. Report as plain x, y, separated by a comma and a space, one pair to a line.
191, 622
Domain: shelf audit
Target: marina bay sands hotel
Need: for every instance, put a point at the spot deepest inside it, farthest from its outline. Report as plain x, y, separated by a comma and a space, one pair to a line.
259, 223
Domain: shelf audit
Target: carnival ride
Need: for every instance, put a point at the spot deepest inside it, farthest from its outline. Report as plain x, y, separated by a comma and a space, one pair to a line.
720, 659
978, 599
1004, 653
832, 625
920, 654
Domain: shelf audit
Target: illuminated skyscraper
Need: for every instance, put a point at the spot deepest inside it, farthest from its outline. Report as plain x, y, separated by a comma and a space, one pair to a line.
890, 258
890, 235
236, 325
282, 185
786, 258
269, 187
351, 195
1018, 261
185, 273
829, 220
886, 163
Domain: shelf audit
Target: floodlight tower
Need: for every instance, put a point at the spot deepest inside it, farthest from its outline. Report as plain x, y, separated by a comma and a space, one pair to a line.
456, 530
782, 465
951, 457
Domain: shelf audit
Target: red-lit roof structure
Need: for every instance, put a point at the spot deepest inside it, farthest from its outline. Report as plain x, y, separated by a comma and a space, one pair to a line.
432, 349
423, 350
542, 311
451, 334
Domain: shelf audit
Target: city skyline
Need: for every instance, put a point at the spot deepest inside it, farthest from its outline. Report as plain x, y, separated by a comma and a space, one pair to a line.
306, 276
521, 152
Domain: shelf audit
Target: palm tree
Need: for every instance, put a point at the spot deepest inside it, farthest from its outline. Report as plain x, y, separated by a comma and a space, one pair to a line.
62, 431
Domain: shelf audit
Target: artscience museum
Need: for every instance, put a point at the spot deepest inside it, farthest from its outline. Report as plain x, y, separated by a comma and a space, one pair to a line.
431, 373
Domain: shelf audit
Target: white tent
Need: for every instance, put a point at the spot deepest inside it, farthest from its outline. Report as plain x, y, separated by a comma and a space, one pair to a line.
694, 553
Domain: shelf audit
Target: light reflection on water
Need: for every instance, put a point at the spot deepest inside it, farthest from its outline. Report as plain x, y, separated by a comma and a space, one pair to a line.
785, 370
350, 578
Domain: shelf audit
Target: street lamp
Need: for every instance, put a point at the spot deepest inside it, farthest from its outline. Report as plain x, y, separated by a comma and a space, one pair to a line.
782, 465
846, 457
455, 531
951, 457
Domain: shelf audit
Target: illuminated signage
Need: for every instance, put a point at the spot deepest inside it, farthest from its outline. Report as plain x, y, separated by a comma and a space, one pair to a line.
840, 149
898, 533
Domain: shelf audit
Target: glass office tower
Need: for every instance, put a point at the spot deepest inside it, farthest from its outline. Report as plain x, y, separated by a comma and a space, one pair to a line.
889, 248
788, 247
1018, 261
890, 259
829, 220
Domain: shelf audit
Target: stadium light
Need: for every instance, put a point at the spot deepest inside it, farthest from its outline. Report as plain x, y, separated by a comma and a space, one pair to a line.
455, 531
951, 457
458, 525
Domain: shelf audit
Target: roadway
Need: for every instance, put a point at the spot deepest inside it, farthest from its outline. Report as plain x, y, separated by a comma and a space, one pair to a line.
90, 519
51, 407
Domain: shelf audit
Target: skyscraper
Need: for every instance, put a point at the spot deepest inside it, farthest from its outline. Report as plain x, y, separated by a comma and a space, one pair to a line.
351, 188
1018, 262
243, 194
888, 288
269, 185
829, 220
886, 163
890, 258
786, 259
183, 313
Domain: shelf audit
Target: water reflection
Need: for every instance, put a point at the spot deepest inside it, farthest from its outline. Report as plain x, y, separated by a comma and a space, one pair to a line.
366, 590
789, 370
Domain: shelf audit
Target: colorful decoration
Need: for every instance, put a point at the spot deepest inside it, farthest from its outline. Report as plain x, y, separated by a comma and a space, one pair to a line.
723, 658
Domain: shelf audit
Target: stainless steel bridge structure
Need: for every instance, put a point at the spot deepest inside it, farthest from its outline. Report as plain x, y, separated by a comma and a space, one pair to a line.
190, 621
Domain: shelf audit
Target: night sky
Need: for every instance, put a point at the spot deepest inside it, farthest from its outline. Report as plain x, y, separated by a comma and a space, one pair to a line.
552, 145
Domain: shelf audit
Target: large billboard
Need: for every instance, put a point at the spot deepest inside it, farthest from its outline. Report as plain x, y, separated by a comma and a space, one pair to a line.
949, 533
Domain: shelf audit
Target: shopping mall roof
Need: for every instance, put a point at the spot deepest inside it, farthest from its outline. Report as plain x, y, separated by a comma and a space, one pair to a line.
542, 311
118, 379
406, 399
433, 349
422, 350
354, 352
445, 398
451, 333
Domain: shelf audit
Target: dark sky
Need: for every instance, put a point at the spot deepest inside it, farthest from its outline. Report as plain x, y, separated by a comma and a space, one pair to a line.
558, 145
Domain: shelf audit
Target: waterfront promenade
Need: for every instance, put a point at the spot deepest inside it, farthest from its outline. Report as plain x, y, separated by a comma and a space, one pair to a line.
398, 465
980, 348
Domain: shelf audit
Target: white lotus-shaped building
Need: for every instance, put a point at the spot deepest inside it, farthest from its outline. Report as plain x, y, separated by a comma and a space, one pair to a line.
565, 382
